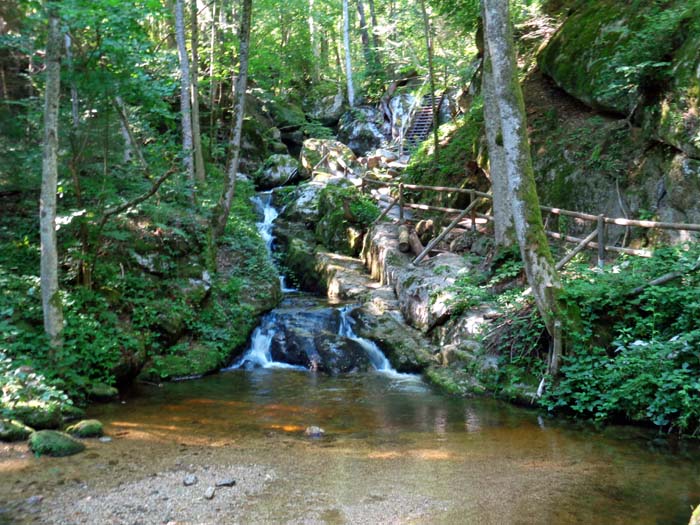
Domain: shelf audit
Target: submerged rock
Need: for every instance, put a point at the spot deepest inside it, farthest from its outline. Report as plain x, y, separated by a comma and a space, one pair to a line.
314, 432
12, 430
86, 429
54, 443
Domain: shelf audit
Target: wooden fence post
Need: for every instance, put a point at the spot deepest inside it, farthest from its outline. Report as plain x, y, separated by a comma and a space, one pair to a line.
472, 205
601, 241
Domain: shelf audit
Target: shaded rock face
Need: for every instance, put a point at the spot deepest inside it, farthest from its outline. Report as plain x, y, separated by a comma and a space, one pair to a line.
361, 129
309, 337
277, 170
633, 57
328, 110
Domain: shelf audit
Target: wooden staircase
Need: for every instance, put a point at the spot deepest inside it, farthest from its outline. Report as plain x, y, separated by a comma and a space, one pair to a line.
422, 123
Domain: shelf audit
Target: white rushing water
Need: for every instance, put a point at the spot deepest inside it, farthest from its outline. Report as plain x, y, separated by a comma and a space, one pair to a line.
258, 354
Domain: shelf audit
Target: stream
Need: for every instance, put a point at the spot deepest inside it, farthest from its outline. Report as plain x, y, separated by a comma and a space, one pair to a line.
394, 450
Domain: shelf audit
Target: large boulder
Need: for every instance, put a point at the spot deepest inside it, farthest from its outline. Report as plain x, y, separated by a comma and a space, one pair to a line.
278, 170
309, 337
361, 129
54, 443
627, 56
327, 109
329, 156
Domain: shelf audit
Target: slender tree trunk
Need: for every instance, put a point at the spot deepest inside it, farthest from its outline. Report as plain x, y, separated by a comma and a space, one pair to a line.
375, 36
196, 132
224, 205
213, 34
534, 248
50, 297
185, 90
364, 35
348, 58
502, 215
315, 45
431, 74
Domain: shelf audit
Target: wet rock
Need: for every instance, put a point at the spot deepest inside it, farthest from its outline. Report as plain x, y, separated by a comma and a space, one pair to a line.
209, 493
87, 428
12, 430
278, 170
406, 348
54, 443
314, 432
308, 337
102, 392
361, 129
105, 439
189, 480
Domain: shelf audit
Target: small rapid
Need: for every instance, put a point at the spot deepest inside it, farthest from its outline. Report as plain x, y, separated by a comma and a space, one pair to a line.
259, 354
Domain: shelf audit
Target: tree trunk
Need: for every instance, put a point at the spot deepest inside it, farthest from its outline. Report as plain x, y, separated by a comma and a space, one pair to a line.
50, 297
224, 205
504, 234
315, 47
364, 35
431, 75
196, 132
348, 59
534, 248
375, 36
185, 90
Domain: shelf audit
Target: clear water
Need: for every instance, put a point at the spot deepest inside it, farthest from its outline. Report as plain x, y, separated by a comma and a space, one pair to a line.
469, 461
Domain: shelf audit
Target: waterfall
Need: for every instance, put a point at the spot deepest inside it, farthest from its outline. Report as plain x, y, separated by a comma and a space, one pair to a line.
259, 355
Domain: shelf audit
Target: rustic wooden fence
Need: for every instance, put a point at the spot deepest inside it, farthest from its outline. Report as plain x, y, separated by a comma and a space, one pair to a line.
594, 240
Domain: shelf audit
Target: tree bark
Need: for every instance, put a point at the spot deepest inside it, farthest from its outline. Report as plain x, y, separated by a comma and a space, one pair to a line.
224, 205
315, 47
431, 74
375, 36
196, 132
364, 35
50, 297
185, 90
534, 248
348, 58
504, 235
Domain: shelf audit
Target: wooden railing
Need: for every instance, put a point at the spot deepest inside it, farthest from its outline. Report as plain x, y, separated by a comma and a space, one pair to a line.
595, 239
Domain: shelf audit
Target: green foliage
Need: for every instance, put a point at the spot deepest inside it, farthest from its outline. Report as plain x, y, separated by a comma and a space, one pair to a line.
341, 208
23, 388
636, 356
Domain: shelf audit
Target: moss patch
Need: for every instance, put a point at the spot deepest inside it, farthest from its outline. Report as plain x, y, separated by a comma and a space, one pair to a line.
53, 443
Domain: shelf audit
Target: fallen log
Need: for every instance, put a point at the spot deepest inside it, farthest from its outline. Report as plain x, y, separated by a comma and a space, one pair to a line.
416, 246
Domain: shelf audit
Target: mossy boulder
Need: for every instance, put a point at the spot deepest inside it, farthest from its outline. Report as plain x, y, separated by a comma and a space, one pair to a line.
72, 412
38, 415
102, 392
54, 443
278, 170
638, 56
13, 430
87, 428
184, 360
361, 129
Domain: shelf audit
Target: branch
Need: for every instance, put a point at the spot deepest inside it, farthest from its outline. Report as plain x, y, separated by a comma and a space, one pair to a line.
138, 200
668, 277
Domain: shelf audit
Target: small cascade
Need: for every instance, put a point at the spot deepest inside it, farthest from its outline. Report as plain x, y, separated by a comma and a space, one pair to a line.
376, 356
259, 354
263, 204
